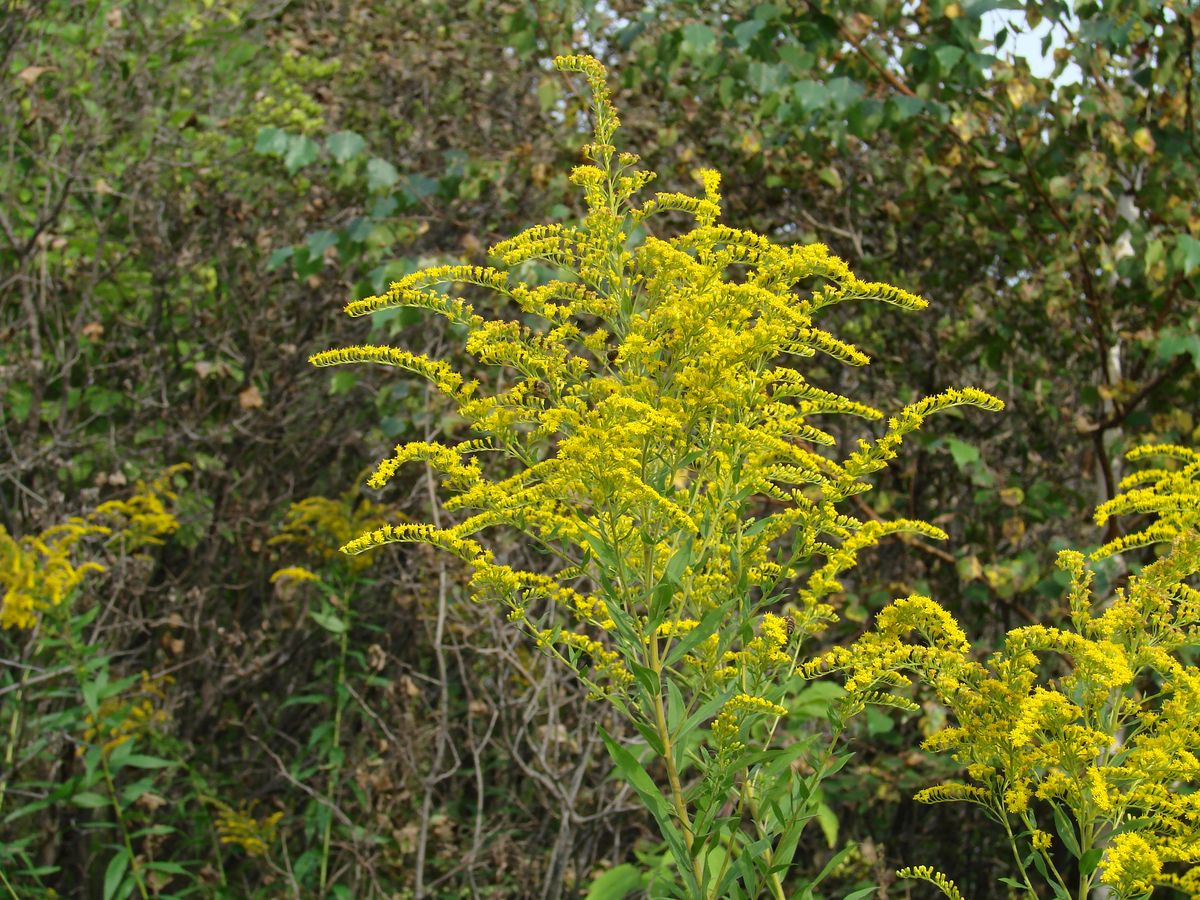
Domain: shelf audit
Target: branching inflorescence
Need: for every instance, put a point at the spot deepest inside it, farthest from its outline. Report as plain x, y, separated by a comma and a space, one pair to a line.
667, 464
1102, 759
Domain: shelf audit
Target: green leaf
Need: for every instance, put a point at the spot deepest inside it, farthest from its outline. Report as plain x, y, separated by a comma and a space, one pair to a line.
320, 241
328, 621
1060, 187
143, 761
878, 722
90, 800
172, 868
1173, 342
947, 57
271, 142
381, 174
861, 893
279, 257
809, 95
548, 94
963, 453
301, 150
91, 693
844, 91
708, 625
616, 883
1089, 860
707, 711
1186, 255
828, 821
979, 7
816, 699
834, 862
633, 773
765, 78
745, 33
698, 39
680, 560
830, 176
342, 382
660, 602
114, 873
131, 793
343, 146
1066, 831
901, 107
675, 708
647, 678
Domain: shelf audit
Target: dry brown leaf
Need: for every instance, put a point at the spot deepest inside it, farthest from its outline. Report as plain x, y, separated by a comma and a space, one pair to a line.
250, 398
30, 74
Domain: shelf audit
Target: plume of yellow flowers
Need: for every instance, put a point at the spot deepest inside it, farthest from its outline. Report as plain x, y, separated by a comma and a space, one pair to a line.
665, 452
1105, 756
655, 410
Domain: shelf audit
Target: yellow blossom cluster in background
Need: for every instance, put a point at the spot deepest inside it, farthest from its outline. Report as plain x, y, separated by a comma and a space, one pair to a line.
128, 714
240, 827
318, 526
42, 571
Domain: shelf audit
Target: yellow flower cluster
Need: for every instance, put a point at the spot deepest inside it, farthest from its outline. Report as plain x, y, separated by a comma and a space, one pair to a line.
1094, 743
293, 573
607, 669
242, 828
1131, 865
1172, 497
320, 525
735, 715
123, 717
42, 571
442, 376
927, 873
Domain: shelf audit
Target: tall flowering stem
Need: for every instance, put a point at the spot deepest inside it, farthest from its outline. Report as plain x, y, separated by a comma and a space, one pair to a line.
663, 456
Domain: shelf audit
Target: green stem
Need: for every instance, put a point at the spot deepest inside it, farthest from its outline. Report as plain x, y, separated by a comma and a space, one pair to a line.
1012, 844
773, 880
116, 805
8, 887
14, 728
335, 766
664, 735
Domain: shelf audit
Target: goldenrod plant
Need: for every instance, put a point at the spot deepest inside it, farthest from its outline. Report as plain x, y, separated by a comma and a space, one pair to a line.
666, 461
1082, 738
65, 695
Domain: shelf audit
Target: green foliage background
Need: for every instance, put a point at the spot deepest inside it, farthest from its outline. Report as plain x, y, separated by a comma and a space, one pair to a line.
190, 190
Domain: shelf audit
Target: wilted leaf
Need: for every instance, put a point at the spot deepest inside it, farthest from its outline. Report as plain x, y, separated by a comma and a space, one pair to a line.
250, 398
30, 74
